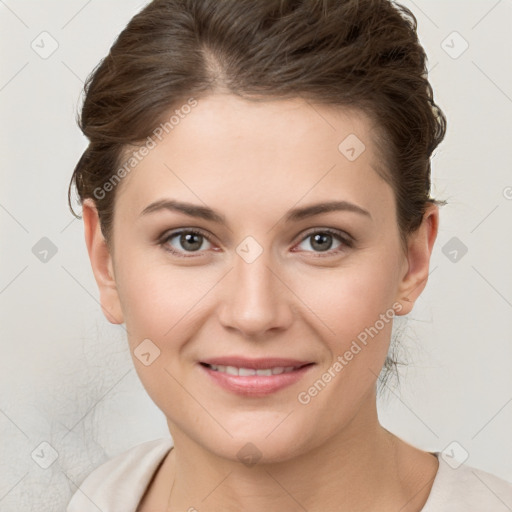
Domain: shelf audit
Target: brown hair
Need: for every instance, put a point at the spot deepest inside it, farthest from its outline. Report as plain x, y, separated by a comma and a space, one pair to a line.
361, 54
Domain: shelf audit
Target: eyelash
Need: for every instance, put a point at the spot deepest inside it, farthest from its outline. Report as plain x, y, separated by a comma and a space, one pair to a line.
346, 240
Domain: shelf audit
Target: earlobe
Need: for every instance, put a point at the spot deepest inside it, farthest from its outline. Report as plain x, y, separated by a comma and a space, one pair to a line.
101, 263
419, 250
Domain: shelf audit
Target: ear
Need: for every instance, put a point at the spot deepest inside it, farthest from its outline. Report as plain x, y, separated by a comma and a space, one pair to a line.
101, 262
419, 249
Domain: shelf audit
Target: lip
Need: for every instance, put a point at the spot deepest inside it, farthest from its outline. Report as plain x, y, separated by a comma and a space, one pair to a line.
255, 385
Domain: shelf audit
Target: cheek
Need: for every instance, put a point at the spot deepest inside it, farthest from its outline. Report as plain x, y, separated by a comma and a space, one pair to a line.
158, 305
352, 298
155, 296
356, 305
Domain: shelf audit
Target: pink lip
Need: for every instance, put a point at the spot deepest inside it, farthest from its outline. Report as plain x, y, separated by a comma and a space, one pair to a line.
255, 385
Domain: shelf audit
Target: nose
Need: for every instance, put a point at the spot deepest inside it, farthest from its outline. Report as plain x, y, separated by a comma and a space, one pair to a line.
257, 300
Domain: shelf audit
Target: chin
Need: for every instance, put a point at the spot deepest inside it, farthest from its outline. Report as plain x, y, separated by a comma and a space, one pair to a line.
250, 451
261, 441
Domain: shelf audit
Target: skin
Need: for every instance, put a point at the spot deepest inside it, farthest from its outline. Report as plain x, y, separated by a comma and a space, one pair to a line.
252, 162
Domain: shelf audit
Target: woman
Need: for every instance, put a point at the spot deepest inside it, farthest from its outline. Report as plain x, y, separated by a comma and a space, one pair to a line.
256, 204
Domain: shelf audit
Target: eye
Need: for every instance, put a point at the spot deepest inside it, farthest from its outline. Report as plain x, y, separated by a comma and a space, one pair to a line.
190, 240
322, 241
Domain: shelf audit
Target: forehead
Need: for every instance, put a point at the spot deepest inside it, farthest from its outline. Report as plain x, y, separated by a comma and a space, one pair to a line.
259, 153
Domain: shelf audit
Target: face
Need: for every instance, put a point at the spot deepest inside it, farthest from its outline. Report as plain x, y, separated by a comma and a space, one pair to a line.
221, 261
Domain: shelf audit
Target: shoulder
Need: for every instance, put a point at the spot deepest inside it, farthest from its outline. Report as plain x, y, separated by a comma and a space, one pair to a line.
119, 483
463, 488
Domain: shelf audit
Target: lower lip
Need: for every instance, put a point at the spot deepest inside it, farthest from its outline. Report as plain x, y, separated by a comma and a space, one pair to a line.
256, 385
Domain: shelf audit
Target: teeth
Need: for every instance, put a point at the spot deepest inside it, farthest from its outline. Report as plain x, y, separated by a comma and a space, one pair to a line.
245, 372
231, 370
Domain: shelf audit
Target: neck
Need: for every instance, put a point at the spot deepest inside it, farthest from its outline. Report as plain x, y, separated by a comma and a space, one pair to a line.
359, 469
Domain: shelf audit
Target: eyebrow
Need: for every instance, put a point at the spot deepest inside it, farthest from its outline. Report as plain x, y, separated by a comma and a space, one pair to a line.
293, 215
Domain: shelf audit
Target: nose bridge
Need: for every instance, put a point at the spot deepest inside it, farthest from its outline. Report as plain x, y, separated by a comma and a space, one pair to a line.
256, 300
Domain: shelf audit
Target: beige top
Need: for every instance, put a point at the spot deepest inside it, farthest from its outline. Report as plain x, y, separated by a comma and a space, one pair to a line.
119, 484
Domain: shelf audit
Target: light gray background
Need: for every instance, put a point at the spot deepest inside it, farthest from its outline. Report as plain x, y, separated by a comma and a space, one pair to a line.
66, 376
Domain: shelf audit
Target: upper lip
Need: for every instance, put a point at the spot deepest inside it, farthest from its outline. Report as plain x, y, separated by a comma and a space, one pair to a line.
256, 364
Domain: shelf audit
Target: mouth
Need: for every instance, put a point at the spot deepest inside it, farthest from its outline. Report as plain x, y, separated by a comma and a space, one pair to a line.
246, 372
255, 377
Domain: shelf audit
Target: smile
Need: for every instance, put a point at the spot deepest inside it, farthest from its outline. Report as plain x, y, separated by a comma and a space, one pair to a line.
246, 372
255, 377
